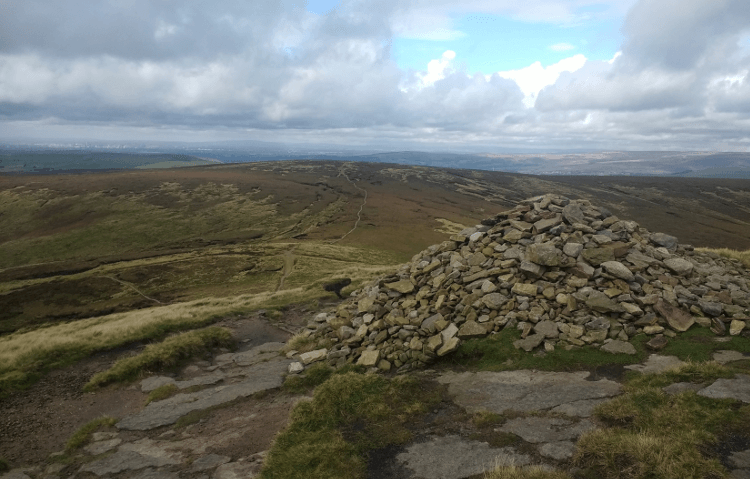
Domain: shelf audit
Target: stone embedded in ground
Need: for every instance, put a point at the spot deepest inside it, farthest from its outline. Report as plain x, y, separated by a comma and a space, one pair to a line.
618, 347
130, 457
656, 363
677, 318
737, 388
235, 470
453, 457
546, 429
313, 356
523, 390
529, 342
657, 343
740, 459
15, 475
207, 462
296, 368
559, 451
100, 447
726, 356
260, 377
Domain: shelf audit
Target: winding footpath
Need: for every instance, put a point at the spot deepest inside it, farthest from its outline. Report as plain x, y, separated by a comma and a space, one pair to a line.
359, 213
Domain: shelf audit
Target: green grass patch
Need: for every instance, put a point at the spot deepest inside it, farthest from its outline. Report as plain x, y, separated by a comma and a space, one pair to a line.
162, 392
83, 434
497, 353
653, 434
349, 414
170, 352
698, 344
316, 375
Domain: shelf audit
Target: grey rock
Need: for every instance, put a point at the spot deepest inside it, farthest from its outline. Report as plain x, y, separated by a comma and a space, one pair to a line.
313, 356
600, 302
261, 377
453, 457
737, 388
680, 266
235, 470
546, 429
740, 474
127, 460
619, 347
618, 270
559, 451
661, 239
656, 363
207, 462
15, 475
523, 390
573, 249
546, 328
532, 270
711, 308
573, 214
529, 342
295, 368
726, 356
678, 388
100, 447
150, 473
677, 318
494, 300
545, 254
471, 329
740, 459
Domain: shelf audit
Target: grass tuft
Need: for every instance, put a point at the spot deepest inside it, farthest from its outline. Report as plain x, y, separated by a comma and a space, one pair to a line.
531, 472
497, 353
162, 392
4, 466
349, 414
168, 353
83, 434
743, 256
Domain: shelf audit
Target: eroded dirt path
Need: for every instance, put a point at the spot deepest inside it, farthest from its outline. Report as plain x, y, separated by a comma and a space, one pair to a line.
342, 172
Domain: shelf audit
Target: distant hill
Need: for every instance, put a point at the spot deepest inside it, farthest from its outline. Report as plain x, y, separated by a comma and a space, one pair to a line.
52, 161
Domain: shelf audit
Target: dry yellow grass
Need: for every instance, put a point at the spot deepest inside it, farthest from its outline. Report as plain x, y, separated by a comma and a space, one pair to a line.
743, 256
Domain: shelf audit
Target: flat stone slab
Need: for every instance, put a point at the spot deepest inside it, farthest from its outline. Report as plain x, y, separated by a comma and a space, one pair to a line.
126, 459
256, 355
452, 457
740, 459
209, 461
656, 363
740, 474
678, 388
523, 390
100, 447
261, 377
727, 356
558, 450
149, 384
737, 388
546, 429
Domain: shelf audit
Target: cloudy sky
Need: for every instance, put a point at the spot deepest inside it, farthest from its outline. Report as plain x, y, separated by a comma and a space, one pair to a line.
427, 74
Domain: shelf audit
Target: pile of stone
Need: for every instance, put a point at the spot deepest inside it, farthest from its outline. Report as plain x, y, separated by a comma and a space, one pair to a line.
564, 272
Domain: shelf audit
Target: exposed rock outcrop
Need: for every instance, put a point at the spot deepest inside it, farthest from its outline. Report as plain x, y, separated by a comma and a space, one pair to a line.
564, 272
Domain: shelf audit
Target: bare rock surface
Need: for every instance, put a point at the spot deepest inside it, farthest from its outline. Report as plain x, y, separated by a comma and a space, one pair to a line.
524, 390
453, 457
656, 363
737, 388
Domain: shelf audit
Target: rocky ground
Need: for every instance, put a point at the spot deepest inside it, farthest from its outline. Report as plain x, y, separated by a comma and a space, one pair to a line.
229, 408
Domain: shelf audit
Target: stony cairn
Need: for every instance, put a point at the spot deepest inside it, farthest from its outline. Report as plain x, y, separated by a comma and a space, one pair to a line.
564, 272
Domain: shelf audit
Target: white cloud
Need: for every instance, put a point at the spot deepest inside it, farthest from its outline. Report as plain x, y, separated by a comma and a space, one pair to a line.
436, 69
562, 47
533, 78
